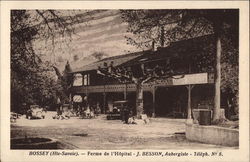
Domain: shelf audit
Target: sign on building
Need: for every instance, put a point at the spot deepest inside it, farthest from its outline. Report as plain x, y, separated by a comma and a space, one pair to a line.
77, 98
200, 78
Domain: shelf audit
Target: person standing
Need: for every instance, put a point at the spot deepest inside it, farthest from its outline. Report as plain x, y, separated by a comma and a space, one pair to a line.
126, 114
58, 107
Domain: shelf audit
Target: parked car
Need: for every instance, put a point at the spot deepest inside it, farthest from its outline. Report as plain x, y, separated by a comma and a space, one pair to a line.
118, 110
13, 117
35, 112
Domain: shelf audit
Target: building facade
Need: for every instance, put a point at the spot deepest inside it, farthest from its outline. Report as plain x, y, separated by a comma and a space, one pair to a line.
189, 86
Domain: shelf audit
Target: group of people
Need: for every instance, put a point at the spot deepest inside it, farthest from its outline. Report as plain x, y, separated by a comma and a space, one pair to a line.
83, 110
128, 118
143, 120
86, 112
62, 110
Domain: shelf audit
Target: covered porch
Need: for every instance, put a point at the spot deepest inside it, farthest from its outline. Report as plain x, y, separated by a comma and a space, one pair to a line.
170, 97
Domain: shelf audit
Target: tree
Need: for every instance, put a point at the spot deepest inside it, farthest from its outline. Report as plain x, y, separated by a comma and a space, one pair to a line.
138, 74
65, 80
33, 80
165, 26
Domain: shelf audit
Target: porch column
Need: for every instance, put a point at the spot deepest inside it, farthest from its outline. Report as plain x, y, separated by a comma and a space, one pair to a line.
125, 91
104, 95
82, 79
189, 109
70, 101
153, 95
104, 102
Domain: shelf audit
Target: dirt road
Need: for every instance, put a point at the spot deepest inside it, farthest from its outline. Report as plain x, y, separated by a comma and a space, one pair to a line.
99, 133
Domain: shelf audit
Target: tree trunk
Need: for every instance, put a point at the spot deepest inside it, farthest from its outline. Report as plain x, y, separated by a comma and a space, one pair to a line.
189, 110
189, 87
70, 101
139, 99
216, 110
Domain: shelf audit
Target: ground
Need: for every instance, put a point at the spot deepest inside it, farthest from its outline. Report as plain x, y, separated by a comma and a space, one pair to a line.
99, 133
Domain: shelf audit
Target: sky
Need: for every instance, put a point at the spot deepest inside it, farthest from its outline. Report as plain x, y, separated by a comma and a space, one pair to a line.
100, 31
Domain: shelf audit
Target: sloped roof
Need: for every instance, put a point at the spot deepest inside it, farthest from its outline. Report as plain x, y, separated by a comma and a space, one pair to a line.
182, 48
192, 43
117, 60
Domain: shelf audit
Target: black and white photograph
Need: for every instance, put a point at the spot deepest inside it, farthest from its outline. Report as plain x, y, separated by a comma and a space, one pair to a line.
125, 79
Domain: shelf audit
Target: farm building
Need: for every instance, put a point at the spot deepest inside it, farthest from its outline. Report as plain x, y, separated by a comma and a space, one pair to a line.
190, 85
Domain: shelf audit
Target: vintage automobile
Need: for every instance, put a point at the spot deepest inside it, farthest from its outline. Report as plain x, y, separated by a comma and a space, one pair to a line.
118, 110
14, 116
35, 112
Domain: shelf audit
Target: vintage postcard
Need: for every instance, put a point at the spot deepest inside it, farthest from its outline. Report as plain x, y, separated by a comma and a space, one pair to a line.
125, 80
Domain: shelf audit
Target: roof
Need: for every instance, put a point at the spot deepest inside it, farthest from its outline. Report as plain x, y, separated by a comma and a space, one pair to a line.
182, 48
117, 60
192, 43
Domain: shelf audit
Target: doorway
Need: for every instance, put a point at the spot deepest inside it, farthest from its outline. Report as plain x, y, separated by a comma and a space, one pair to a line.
171, 102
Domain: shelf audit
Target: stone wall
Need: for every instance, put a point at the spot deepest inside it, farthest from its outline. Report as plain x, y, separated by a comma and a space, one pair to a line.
212, 135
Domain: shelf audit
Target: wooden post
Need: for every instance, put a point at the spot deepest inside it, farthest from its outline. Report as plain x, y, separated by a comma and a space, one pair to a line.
82, 79
104, 96
70, 101
86, 90
104, 102
153, 95
125, 91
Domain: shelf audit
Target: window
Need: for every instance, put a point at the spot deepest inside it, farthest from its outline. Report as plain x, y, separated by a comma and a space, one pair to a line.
77, 80
86, 79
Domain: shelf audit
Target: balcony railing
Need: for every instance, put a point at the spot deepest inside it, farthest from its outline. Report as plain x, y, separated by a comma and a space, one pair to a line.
198, 78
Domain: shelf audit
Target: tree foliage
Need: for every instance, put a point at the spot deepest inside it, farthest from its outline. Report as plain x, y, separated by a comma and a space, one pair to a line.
65, 80
175, 25
33, 80
165, 26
